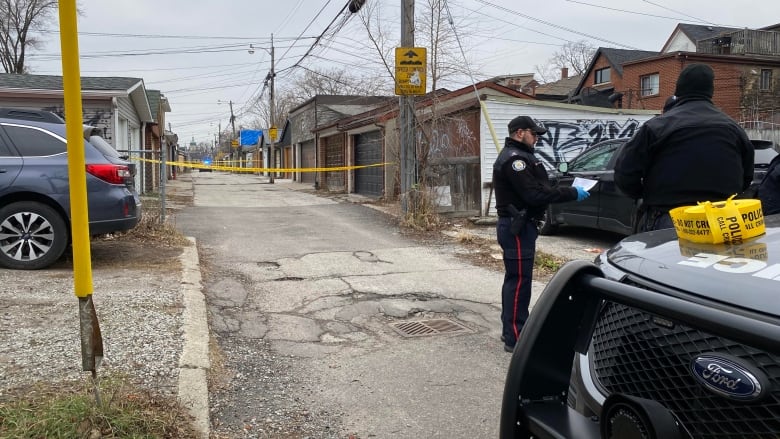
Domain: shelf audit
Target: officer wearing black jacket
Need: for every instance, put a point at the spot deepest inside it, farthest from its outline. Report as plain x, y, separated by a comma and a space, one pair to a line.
523, 192
769, 188
692, 152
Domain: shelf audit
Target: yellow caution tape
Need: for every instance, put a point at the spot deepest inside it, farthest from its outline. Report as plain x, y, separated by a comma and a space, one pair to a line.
729, 222
230, 165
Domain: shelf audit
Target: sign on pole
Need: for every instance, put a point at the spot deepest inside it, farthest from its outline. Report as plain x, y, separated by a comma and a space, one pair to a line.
411, 65
234, 143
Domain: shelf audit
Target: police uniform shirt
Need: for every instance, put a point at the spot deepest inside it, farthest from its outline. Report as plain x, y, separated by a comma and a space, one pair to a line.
519, 178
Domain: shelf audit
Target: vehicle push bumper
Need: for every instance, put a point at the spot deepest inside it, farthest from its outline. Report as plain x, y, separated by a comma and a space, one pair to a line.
561, 324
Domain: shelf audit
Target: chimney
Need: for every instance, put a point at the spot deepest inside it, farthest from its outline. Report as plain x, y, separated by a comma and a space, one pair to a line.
564, 72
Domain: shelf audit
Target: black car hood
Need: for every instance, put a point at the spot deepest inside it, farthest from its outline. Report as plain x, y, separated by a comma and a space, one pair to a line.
746, 275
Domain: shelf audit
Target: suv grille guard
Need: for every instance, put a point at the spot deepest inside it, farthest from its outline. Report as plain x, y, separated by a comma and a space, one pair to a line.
561, 324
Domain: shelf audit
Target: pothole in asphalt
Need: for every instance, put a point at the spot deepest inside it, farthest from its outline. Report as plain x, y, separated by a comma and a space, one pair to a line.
421, 328
267, 264
288, 278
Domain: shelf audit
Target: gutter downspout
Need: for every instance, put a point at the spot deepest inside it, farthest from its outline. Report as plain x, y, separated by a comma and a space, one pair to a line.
115, 128
141, 163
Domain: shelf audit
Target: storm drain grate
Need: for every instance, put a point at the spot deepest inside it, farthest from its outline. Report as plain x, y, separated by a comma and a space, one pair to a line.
420, 328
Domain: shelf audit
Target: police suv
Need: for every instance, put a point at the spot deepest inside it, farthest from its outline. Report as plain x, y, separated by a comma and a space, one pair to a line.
659, 338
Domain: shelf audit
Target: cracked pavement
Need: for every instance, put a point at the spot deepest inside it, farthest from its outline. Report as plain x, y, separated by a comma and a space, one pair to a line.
301, 290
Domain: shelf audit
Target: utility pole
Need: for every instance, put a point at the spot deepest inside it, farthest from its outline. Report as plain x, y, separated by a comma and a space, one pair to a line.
233, 124
163, 164
272, 130
406, 113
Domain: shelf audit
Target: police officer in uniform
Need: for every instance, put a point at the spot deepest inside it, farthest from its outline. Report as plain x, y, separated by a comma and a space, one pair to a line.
692, 152
523, 192
769, 189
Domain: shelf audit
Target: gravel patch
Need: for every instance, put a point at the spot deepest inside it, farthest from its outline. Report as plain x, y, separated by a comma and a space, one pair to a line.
139, 312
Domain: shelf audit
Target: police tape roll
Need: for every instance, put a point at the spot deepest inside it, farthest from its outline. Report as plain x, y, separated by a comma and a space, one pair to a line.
729, 222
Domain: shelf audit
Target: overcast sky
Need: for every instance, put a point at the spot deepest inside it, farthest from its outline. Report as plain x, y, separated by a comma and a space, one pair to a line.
196, 52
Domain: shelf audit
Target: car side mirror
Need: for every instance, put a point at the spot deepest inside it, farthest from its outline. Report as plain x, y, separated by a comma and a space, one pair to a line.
563, 167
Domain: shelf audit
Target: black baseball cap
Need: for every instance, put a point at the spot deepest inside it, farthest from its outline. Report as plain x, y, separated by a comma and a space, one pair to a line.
525, 123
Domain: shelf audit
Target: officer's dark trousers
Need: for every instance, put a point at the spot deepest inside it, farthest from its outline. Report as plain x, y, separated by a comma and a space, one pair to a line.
654, 218
519, 253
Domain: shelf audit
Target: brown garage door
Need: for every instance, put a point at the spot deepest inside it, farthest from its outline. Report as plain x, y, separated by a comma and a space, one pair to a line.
334, 156
308, 160
368, 151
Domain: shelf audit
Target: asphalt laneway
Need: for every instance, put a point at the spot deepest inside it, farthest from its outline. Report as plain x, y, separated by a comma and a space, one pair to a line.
309, 304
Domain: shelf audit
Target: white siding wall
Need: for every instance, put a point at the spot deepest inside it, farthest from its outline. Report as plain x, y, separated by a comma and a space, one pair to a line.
571, 128
680, 43
127, 112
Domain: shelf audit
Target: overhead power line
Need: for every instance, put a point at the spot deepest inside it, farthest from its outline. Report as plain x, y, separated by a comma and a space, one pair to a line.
557, 26
183, 37
678, 12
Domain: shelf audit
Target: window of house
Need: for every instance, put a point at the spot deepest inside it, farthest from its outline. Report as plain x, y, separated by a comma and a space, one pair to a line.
766, 79
649, 84
602, 75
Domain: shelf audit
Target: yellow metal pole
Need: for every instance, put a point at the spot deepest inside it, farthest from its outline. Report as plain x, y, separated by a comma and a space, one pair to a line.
71, 83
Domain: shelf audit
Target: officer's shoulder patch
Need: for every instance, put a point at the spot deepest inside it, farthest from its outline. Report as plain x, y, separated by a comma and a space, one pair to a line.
518, 165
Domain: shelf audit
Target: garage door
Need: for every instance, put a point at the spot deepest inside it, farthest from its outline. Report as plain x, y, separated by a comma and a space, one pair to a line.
308, 160
368, 151
334, 157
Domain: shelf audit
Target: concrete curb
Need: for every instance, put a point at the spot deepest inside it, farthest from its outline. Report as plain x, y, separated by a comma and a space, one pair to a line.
194, 363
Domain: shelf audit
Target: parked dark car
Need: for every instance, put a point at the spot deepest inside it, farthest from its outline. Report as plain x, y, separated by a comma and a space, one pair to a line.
660, 338
608, 208
35, 193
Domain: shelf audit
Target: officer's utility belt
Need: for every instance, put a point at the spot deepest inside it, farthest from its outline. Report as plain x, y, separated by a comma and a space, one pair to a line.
519, 218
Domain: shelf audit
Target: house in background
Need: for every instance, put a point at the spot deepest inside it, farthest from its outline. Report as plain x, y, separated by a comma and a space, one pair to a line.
602, 84
558, 91
154, 135
746, 64
523, 82
685, 36
119, 106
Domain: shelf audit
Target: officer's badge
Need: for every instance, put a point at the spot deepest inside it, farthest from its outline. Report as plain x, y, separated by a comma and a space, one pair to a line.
518, 165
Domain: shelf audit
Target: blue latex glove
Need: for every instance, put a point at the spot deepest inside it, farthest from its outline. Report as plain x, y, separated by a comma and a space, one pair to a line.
581, 193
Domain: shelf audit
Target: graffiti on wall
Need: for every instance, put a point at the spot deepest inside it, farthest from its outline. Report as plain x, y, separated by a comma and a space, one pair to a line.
454, 136
92, 116
564, 140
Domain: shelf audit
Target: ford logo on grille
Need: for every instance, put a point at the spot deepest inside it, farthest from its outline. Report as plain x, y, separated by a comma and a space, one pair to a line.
730, 377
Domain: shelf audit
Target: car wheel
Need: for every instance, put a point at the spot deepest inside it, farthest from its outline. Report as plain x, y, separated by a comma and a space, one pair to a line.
32, 235
546, 225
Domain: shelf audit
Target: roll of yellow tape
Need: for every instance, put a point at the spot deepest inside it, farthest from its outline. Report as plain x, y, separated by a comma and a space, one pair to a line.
730, 222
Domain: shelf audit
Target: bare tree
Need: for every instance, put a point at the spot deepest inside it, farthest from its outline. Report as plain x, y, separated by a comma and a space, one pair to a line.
432, 30
311, 83
19, 20
435, 32
575, 56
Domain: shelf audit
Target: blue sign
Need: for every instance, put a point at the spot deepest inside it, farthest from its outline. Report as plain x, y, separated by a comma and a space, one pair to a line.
250, 137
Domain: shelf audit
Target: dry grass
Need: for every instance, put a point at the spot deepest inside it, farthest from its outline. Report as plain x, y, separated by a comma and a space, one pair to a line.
70, 410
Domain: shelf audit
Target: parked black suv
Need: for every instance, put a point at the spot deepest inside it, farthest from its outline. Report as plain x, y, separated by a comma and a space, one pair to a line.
35, 192
608, 208
660, 338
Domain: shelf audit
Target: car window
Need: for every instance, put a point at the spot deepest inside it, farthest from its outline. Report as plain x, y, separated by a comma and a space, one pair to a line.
31, 141
5, 151
595, 159
104, 147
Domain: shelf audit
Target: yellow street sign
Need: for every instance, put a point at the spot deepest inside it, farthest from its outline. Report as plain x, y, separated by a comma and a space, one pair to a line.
234, 143
411, 64
272, 132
